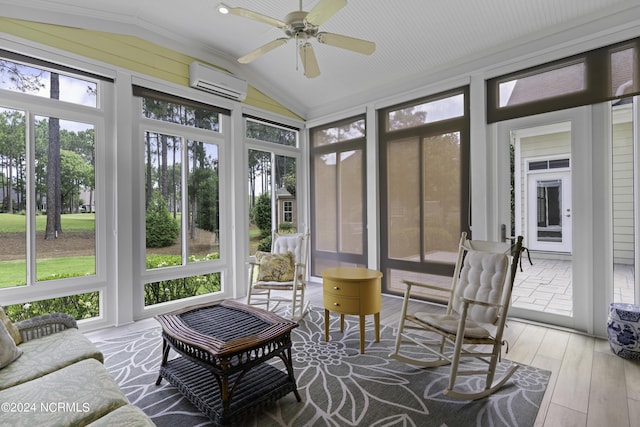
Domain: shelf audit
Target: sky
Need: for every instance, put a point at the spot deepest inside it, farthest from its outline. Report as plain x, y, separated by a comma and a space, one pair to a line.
72, 89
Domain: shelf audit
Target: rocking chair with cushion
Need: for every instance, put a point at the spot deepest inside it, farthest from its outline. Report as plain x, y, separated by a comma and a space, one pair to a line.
280, 275
472, 326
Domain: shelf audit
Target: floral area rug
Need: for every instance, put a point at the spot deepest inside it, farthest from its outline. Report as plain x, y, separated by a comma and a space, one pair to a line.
338, 385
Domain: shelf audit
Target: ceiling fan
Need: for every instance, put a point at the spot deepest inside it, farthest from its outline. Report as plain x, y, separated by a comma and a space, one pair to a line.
303, 26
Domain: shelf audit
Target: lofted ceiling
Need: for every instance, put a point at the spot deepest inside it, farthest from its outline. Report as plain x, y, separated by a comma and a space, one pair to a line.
416, 40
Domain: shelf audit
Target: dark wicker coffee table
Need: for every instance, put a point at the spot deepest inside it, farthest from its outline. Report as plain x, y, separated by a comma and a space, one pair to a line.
224, 346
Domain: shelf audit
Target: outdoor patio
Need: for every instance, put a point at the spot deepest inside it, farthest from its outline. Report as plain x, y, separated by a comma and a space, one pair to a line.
546, 285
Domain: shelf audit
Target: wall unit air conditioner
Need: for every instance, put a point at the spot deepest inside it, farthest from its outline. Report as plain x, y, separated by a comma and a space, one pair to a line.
217, 82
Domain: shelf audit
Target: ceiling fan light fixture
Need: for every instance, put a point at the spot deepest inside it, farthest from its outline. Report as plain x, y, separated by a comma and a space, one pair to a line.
223, 8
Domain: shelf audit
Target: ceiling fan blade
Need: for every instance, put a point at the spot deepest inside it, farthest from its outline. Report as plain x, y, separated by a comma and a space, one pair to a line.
324, 10
345, 42
309, 61
253, 55
240, 11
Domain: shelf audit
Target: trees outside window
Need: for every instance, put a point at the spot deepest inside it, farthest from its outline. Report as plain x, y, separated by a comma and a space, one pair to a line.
47, 171
272, 179
181, 198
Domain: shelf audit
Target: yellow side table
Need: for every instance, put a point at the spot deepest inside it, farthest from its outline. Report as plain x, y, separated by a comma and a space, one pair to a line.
355, 291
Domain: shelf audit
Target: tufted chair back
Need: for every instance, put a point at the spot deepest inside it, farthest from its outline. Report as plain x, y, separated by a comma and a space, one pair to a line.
294, 243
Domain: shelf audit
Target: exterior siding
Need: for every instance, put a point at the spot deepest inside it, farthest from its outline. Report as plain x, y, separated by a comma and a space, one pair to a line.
622, 169
559, 144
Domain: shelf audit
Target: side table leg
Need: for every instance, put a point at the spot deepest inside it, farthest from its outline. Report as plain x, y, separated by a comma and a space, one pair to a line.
342, 323
361, 334
326, 325
376, 321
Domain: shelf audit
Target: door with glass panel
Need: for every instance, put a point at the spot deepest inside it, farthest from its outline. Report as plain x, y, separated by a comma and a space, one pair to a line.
272, 157
338, 196
540, 199
548, 210
424, 152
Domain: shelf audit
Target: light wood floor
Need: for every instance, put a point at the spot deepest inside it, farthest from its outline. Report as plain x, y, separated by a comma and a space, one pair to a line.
589, 385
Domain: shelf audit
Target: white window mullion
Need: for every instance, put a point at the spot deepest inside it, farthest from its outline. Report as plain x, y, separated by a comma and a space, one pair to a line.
30, 136
184, 198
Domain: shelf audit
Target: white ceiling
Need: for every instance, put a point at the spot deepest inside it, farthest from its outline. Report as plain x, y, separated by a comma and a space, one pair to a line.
416, 40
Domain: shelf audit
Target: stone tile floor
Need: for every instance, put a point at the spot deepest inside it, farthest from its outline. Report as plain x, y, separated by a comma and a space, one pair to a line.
546, 285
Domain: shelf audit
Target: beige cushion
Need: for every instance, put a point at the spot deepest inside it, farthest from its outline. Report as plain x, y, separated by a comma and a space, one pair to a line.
13, 330
449, 323
9, 351
482, 278
275, 267
124, 416
86, 389
47, 354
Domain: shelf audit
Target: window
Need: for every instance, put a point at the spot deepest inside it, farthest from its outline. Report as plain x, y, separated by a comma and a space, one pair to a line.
181, 197
271, 133
546, 83
431, 111
287, 211
29, 79
272, 162
424, 188
338, 197
48, 161
624, 171
596, 76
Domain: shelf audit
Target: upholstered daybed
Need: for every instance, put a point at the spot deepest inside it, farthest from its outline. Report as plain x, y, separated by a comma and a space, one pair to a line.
52, 375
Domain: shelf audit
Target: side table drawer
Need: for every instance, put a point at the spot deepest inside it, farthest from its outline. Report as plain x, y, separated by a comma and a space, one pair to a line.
351, 289
341, 304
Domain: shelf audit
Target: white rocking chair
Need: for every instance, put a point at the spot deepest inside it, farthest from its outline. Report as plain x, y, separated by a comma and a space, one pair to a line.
280, 276
475, 317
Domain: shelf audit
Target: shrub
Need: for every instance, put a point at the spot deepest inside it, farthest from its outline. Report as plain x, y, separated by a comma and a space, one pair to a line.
83, 306
261, 214
162, 229
265, 244
184, 287
286, 227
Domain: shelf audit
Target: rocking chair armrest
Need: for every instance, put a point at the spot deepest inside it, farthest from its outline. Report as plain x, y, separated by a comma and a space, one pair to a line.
469, 301
427, 286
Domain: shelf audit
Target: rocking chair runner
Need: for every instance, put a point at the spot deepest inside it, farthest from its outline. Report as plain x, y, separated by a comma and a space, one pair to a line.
280, 276
473, 324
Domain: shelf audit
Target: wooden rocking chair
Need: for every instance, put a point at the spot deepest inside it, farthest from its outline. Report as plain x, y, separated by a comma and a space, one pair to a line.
280, 276
473, 324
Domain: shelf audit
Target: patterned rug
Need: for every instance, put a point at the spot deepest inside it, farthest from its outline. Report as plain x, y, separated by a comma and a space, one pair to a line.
339, 386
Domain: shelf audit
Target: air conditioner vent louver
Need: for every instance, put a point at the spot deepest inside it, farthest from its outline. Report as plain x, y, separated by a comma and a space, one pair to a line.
217, 82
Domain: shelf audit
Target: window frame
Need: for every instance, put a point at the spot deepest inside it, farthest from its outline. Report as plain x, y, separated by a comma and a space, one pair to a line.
459, 124
142, 276
597, 80
355, 144
99, 116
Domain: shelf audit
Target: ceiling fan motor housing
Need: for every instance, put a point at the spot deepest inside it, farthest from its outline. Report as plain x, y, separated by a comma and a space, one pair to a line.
297, 26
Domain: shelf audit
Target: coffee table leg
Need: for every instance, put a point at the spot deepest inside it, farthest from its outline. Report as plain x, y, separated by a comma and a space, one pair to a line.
326, 325
165, 355
361, 334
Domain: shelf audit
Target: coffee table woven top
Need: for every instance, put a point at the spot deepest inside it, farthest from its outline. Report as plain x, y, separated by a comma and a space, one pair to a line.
224, 328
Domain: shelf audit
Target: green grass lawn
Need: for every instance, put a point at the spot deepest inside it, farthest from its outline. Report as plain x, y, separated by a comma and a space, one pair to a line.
16, 223
14, 272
